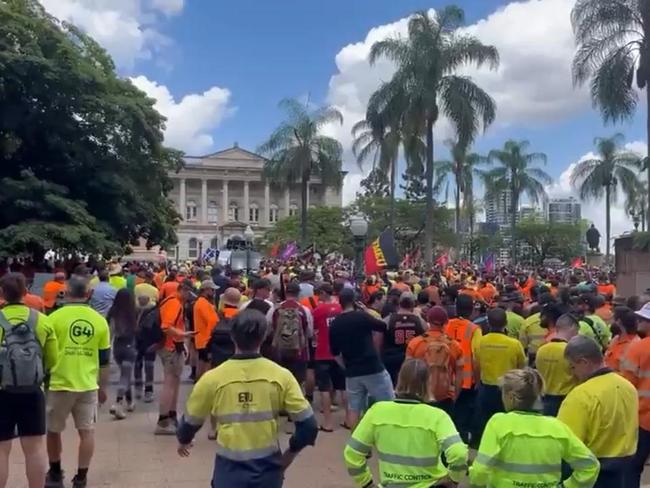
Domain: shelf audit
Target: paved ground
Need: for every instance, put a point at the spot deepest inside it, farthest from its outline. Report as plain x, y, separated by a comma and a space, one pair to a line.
128, 455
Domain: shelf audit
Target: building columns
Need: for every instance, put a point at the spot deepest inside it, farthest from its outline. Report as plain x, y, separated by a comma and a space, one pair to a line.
204, 201
266, 218
246, 203
224, 202
181, 198
287, 201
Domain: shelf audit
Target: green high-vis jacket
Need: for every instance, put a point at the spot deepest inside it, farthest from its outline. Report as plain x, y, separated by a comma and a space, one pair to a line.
527, 449
408, 437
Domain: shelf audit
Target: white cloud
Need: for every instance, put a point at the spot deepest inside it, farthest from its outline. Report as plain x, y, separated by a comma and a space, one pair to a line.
532, 84
351, 185
191, 119
594, 210
125, 28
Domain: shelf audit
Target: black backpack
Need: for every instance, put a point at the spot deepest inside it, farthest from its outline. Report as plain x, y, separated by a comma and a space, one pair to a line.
221, 346
150, 334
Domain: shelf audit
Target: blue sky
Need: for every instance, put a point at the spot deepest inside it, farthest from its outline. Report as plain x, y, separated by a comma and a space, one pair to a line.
218, 69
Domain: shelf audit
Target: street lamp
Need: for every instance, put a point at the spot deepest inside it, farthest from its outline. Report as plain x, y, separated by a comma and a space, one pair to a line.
359, 229
636, 218
249, 235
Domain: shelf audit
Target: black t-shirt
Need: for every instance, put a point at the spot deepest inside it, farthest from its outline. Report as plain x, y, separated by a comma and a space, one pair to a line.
402, 327
351, 337
260, 305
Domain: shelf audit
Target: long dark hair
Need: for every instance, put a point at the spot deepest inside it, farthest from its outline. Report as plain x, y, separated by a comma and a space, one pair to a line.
123, 314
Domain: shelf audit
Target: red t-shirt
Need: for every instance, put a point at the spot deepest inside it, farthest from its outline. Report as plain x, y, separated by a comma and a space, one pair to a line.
324, 313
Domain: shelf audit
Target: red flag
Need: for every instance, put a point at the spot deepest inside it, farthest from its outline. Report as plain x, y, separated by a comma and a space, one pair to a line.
443, 260
275, 250
576, 263
381, 254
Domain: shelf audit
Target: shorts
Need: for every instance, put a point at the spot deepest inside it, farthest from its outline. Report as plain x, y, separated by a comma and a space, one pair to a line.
329, 375
173, 362
379, 386
203, 355
124, 351
298, 369
82, 405
21, 414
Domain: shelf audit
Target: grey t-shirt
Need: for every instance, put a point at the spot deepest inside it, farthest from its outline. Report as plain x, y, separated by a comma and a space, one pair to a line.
102, 298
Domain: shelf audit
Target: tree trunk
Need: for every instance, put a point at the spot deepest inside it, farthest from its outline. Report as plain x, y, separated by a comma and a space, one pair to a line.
457, 204
393, 177
607, 221
514, 204
428, 220
647, 96
303, 209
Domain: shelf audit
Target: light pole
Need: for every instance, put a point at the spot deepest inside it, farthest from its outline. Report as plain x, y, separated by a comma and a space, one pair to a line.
636, 218
249, 235
359, 229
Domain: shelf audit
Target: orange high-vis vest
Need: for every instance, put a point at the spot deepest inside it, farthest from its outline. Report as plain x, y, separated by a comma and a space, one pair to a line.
462, 330
635, 367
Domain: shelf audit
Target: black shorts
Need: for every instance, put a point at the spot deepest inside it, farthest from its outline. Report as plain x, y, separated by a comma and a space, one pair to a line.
329, 375
21, 414
311, 364
297, 368
204, 354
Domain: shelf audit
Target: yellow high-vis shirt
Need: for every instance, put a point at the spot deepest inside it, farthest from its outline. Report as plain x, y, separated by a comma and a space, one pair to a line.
497, 354
514, 325
532, 334
555, 369
81, 333
603, 413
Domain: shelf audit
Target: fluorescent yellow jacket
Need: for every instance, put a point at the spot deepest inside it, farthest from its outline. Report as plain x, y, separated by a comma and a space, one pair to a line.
409, 437
514, 325
532, 334
527, 449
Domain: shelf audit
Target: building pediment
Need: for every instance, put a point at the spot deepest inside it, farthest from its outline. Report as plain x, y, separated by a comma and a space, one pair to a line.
235, 153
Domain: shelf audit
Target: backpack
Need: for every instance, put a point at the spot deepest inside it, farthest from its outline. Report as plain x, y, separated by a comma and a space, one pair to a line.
220, 345
289, 335
150, 334
21, 355
437, 356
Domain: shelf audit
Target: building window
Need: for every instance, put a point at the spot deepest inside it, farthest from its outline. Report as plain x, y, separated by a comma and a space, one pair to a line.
214, 243
233, 213
213, 213
193, 248
171, 253
273, 214
293, 210
190, 210
254, 213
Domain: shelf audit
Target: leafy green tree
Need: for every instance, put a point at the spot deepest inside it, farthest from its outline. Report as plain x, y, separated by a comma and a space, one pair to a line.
551, 240
425, 86
326, 229
463, 167
414, 183
603, 175
375, 184
613, 50
69, 124
297, 150
516, 174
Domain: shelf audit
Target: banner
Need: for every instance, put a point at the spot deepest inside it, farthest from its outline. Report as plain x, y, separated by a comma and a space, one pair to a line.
442, 260
381, 253
489, 264
275, 250
289, 251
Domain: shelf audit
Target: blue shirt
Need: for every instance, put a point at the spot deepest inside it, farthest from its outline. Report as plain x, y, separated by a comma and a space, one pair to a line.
102, 298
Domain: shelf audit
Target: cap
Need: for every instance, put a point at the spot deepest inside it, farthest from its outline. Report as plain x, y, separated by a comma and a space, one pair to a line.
208, 284
437, 316
644, 313
232, 297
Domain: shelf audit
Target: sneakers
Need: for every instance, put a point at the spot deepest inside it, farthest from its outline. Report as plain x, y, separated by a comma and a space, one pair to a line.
79, 482
130, 406
54, 480
166, 428
117, 411
148, 397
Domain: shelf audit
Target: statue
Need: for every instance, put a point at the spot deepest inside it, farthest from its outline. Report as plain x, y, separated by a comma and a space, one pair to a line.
593, 238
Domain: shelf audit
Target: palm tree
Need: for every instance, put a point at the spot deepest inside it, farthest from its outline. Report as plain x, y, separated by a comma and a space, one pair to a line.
515, 174
602, 175
425, 85
297, 151
635, 204
613, 49
463, 167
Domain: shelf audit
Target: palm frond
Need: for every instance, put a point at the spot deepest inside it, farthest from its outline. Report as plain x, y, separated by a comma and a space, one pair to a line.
468, 50
394, 49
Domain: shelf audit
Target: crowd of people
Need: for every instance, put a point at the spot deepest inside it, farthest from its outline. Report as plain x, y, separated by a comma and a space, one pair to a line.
545, 375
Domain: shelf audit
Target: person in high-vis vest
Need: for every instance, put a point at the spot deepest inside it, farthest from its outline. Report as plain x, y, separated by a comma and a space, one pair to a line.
468, 336
409, 437
532, 334
635, 367
245, 394
602, 411
551, 363
523, 448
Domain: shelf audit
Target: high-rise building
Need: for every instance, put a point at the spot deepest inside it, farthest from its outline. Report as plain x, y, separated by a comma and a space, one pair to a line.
564, 211
497, 208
